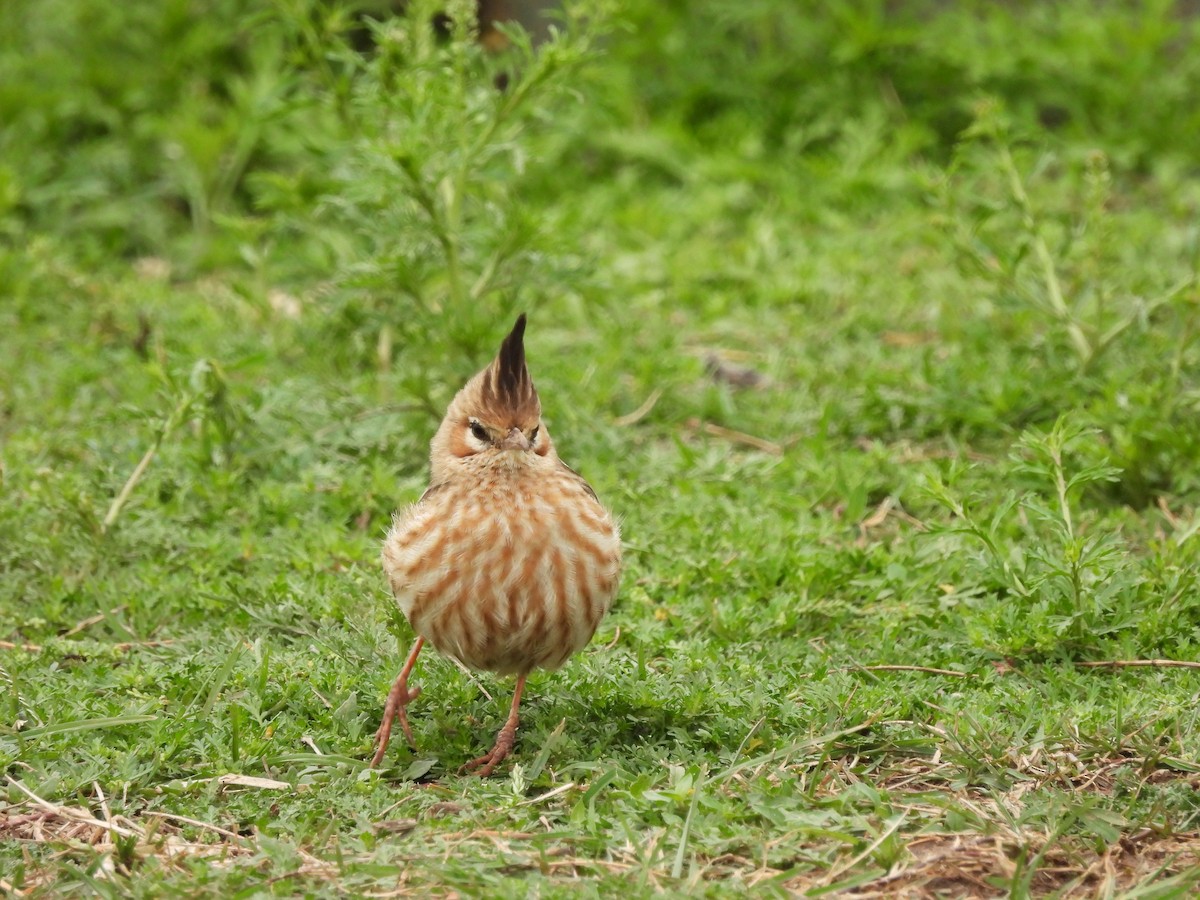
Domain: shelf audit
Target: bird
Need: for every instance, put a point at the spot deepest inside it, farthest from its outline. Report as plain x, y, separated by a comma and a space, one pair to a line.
508, 562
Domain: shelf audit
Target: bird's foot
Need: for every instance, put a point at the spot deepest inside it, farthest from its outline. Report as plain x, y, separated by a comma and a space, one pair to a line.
398, 699
484, 765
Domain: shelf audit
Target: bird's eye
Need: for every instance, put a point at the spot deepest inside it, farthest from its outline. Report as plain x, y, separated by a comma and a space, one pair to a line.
479, 431
533, 434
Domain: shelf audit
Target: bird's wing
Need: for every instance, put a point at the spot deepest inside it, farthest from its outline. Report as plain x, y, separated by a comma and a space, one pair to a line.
582, 481
431, 490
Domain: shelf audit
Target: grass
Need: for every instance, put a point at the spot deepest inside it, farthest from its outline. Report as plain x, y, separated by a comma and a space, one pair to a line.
877, 327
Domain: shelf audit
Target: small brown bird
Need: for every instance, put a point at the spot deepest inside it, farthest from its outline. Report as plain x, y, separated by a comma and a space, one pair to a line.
508, 562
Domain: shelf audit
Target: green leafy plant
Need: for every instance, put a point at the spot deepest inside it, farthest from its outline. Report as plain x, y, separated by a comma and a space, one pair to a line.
1061, 269
1036, 231
205, 403
429, 187
155, 148
1058, 580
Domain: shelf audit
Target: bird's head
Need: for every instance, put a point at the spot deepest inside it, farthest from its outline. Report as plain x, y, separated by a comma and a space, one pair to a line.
496, 418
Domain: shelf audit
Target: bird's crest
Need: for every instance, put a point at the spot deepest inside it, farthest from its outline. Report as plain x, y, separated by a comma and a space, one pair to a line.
506, 386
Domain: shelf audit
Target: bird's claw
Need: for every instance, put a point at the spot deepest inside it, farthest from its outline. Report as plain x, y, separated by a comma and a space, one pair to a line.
413, 693
397, 703
484, 765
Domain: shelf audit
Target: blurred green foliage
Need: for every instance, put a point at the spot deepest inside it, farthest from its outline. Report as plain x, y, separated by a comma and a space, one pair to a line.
130, 126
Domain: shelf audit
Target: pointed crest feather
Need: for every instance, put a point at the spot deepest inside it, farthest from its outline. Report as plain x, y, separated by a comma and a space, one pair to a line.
506, 383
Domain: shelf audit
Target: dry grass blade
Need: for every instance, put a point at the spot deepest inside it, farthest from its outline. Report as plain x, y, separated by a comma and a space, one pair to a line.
472, 677
902, 668
641, 412
541, 798
928, 670
71, 813
252, 781
880, 515
736, 437
92, 620
207, 826
27, 648
1139, 663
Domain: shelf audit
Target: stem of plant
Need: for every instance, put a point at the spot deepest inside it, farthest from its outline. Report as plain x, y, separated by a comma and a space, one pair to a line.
172, 421
1074, 551
1049, 272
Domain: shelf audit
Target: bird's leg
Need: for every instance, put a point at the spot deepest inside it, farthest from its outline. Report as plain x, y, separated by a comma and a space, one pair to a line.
398, 698
504, 740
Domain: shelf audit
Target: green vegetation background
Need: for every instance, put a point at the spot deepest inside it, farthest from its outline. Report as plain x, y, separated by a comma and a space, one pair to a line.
248, 251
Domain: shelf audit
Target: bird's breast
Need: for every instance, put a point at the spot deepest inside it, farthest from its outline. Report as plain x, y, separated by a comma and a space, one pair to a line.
506, 576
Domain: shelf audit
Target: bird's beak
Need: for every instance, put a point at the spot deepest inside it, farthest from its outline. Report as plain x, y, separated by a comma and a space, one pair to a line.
515, 440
